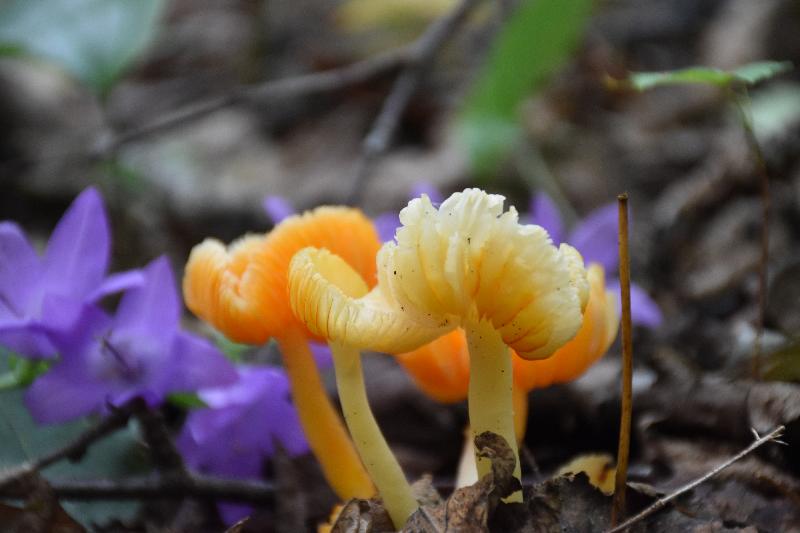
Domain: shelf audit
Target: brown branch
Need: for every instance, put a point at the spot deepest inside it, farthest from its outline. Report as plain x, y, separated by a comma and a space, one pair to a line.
73, 450
662, 502
620, 480
153, 488
424, 51
264, 93
166, 456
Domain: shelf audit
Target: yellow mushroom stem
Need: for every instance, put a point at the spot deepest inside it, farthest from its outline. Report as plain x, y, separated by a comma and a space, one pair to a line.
520, 399
324, 431
491, 406
378, 458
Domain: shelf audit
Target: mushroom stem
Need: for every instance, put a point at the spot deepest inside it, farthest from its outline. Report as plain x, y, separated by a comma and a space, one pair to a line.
490, 391
378, 458
520, 399
323, 427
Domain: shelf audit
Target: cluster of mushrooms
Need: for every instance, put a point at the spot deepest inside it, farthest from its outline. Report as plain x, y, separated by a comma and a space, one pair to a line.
473, 304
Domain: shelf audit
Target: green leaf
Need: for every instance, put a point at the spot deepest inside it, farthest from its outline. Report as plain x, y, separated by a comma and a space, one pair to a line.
749, 74
21, 371
784, 364
234, 351
94, 40
117, 456
186, 400
537, 40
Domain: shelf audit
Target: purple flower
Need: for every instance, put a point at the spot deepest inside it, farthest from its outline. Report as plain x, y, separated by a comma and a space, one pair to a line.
277, 208
139, 352
595, 237
387, 223
241, 427
73, 268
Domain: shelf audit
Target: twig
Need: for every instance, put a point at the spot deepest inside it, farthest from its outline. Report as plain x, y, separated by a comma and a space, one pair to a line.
166, 456
193, 485
763, 174
424, 51
73, 450
623, 449
661, 502
264, 93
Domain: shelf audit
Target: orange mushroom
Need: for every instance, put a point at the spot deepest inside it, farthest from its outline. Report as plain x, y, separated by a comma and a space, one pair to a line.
242, 290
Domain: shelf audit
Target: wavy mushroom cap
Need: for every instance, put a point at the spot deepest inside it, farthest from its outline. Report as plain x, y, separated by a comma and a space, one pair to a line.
243, 290
469, 260
465, 261
599, 329
441, 368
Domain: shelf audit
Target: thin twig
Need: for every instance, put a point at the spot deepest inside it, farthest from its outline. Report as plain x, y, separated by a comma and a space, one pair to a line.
383, 128
623, 449
761, 168
261, 94
73, 450
155, 488
166, 456
662, 502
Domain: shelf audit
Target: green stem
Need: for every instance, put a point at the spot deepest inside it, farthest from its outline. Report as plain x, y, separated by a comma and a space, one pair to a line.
367, 437
491, 406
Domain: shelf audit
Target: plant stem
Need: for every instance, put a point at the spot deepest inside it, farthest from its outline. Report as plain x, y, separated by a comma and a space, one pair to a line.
322, 424
623, 449
378, 458
490, 391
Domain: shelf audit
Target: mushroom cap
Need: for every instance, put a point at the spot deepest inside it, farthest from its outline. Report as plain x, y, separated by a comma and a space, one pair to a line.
441, 368
466, 261
242, 290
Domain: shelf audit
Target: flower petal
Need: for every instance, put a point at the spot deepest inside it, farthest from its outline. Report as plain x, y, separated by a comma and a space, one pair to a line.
77, 254
426, 187
58, 397
20, 270
544, 212
644, 310
386, 224
196, 364
596, 237
278, 208
153, 308
26, 338
119, 282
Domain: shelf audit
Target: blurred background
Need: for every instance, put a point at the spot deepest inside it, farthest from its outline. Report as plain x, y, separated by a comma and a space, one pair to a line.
176, 110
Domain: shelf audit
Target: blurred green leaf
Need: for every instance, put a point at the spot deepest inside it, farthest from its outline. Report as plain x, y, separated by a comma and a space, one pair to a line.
234, 351
784, 364
186, 400
94, 40
749, 74
21, 371
114, 457
536, 41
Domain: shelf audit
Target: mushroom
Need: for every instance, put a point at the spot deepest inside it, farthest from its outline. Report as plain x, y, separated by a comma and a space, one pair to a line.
441, 368
243, 292
467, 264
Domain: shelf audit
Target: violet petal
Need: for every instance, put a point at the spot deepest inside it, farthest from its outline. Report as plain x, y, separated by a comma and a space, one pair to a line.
152, 309
196, 364
426, 187
20, 269
644, 310
543, 212
277, 208
386, 224
77, 254
119, 282
58, 397
322, 355
595, 237
27, 338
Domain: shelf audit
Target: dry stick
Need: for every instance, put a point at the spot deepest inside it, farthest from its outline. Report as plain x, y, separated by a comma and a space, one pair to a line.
384, 126
761, 168
618, 508
73, 450
264, 93
661, 502
148, 488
